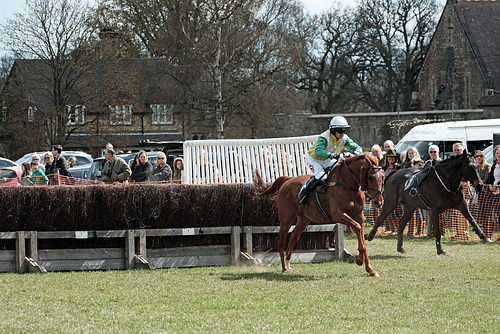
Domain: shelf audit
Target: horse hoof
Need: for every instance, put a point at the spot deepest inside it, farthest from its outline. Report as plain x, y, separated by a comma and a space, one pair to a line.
401, 250
359, 262
375, 274
367, 237
487, 240
443, 254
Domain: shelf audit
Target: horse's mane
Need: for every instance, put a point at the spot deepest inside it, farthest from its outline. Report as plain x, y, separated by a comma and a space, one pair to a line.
365, 155
451, 159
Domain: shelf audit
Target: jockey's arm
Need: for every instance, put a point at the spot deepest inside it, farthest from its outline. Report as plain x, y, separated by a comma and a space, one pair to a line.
320, 149
350, 145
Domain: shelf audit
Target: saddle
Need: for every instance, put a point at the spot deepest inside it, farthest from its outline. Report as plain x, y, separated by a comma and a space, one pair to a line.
412, 185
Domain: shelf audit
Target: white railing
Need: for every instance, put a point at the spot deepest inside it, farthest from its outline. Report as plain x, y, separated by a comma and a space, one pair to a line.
234, 160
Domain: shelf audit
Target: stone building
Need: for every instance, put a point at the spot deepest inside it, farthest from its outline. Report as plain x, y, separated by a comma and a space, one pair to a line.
462, 66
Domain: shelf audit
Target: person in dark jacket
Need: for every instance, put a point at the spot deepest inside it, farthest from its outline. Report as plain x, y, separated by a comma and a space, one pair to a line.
162, 172
142, 168
59, 164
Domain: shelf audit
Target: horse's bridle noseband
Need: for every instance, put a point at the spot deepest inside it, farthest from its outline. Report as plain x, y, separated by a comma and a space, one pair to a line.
377, 191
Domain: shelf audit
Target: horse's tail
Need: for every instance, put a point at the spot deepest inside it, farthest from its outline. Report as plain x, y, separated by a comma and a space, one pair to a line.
262, 190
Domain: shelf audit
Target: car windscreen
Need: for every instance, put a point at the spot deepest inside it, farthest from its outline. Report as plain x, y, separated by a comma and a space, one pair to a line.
7, 174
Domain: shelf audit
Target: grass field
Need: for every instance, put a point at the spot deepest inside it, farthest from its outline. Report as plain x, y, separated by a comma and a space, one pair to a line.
416, 293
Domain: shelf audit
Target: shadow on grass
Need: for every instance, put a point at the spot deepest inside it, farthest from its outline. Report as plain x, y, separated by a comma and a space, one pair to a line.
268, 276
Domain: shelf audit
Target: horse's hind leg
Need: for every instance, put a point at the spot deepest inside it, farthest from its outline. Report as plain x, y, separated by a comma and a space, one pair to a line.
301, 225
285, 224
408, 213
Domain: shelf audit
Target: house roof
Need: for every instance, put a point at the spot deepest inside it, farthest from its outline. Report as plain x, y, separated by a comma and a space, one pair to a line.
481, 22
138, 81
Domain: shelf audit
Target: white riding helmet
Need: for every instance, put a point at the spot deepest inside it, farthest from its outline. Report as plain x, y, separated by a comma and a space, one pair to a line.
339, 122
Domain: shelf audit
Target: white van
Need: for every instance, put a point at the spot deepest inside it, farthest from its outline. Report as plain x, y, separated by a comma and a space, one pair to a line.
476, 134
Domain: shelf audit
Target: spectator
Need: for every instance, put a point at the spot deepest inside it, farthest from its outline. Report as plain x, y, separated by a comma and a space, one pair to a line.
141, 167
48, 159
24, 180
377, 152
178, 168
492, 196
389, 147
59, 164
115, 169
433, 153
391, 165
483, 168
162, 172
461, 225
37, 175
411, 158
71, 162
36, 158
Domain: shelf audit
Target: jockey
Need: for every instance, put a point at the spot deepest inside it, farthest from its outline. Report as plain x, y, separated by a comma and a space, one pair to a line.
325, 152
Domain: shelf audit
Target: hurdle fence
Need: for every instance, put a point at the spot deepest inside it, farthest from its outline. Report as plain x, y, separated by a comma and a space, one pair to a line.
26, 255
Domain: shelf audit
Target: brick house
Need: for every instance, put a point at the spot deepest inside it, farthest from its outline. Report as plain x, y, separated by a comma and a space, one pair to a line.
462, 66
120, 101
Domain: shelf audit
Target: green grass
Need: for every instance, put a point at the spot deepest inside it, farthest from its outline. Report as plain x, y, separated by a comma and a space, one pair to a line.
416, 293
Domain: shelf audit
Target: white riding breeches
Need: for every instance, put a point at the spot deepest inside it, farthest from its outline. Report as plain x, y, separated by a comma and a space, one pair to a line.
318, 166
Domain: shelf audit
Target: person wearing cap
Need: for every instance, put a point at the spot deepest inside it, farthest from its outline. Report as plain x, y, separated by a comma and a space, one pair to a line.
325, 152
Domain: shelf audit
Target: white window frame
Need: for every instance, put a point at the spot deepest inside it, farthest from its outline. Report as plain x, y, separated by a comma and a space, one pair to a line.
31, 113
162, 114
120, 115
76, 114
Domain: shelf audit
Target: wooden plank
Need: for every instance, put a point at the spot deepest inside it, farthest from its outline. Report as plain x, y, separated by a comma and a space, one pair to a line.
190, 231
190, 261
74, 265
310, 228
8, 235
81, 254
21, 266
8, 266
7, 255
190, 251
91, 234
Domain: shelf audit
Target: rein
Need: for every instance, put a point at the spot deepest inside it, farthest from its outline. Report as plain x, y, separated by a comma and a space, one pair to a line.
442, 183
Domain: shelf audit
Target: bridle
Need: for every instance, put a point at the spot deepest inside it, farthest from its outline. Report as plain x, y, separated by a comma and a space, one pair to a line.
368, 189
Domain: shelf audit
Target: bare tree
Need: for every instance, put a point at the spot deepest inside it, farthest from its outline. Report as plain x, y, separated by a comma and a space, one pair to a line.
333, 61
397, 35
56, 34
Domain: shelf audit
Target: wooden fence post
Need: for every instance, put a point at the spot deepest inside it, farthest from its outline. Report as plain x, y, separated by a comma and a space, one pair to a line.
21, 264
129, 249
248, 240
235, 245
339, 242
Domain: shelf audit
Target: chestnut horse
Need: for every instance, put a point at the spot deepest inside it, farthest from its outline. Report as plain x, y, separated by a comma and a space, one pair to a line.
343, 202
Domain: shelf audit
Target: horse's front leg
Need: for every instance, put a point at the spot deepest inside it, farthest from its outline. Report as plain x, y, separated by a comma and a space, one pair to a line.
462, 207
434, 220
357, 225
386, 210
408, 213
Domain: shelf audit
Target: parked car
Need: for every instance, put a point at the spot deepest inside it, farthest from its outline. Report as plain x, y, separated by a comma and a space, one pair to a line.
9, 175
80, 172
82, 158
4, 162
96, 167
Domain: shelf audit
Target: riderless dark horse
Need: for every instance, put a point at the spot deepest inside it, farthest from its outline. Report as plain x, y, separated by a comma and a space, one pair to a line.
342, 202
441, 189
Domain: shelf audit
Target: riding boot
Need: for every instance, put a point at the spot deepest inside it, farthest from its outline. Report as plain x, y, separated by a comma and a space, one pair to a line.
306, 188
